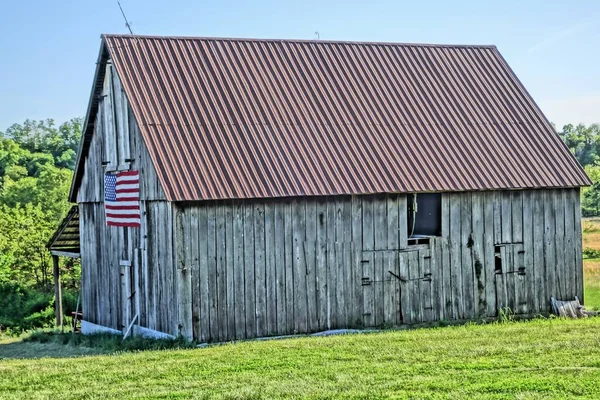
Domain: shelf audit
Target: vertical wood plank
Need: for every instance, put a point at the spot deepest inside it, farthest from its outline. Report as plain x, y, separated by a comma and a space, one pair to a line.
332, 312
405, 295
528, 248
239, 270
260, 269
393, 222
230, 271
280, 234
445, 258
249, 279
222, 317
539, 266
549, 243
271, 272
517, 216
321, 263
576, 200
310, 259
357, 303
456, 256
559, 217
300, 297
195, 272
478, 253
506, 216
215, 333
403, 221
289, 266
489, 264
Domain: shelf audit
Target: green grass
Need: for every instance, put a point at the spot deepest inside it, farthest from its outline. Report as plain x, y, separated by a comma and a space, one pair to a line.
535, 359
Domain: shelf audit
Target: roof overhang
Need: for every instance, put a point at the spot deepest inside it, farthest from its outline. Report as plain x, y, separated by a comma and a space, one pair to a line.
65, 240
90, 119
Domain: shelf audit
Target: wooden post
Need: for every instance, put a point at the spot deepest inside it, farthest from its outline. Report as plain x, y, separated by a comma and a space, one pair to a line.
57, 293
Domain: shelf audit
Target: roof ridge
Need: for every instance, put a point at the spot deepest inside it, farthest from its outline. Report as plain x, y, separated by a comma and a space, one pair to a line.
315, 41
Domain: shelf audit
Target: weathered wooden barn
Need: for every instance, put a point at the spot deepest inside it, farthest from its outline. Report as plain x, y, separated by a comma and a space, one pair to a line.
292, 186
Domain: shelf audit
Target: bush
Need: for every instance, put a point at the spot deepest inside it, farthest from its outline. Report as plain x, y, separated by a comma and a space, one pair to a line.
591, 253
23, 308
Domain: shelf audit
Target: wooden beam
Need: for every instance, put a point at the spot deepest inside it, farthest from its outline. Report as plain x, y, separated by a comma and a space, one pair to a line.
57, 292
58, 253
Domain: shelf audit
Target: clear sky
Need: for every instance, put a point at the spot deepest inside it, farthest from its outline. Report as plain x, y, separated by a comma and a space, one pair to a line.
49, 48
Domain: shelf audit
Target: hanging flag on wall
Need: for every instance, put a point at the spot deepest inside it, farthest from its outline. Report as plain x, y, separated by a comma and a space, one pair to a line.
122, 198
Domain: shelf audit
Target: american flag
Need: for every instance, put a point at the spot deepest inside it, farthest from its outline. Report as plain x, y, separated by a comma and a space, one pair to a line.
122, 198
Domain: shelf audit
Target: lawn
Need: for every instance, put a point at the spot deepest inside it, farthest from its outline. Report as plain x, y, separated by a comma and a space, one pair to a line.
536, 359
591, 266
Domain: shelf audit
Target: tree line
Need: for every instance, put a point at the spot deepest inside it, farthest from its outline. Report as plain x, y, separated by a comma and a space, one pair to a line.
37, 159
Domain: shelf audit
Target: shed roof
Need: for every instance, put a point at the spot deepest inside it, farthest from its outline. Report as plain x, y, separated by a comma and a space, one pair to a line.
248, 118
66, 237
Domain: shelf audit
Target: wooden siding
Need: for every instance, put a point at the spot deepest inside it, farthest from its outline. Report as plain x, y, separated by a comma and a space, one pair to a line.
104, 145
113, 293
259, 268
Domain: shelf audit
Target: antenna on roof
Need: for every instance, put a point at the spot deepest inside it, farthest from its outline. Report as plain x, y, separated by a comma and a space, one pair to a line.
317, 35
127, 23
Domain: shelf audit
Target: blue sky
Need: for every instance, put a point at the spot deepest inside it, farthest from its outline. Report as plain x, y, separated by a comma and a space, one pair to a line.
49, 47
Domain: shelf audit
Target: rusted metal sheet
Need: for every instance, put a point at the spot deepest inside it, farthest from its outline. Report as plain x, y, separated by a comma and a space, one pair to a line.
242, 118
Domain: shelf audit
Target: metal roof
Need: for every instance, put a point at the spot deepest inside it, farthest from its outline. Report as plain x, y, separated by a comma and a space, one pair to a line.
247, 118
66, 236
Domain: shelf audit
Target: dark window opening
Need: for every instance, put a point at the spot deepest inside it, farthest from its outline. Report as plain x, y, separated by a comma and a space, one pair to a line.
497, 260
424, 216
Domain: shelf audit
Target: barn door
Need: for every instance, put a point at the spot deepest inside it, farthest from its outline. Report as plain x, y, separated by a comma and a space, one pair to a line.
416, 289
381, 290
511, 278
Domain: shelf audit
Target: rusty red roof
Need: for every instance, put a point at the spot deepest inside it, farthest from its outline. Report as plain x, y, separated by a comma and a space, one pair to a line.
246, 118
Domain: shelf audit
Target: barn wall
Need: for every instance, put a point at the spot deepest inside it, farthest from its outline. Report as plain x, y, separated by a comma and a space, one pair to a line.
256, 268
120, 266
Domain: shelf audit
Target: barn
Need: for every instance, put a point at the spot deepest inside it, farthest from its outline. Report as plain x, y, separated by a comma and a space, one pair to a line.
290, 186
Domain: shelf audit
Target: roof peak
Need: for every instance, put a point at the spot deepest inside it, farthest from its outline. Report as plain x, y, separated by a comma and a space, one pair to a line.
316, 41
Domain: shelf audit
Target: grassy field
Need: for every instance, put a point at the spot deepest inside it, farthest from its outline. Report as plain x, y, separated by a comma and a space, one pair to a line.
591, 266
536, 359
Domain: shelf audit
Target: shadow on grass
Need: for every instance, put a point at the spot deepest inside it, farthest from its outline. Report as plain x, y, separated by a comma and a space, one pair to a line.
60, 345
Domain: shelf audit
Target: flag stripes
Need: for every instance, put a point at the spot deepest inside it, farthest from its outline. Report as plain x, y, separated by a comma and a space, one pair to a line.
122, 198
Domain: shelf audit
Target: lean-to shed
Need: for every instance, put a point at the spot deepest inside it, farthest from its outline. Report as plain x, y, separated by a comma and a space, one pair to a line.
291, 186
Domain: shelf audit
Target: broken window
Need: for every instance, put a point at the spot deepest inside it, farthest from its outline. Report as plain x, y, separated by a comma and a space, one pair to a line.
424, 217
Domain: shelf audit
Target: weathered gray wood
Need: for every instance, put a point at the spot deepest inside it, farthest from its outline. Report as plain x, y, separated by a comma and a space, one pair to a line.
506, 216
539, 264
576, 199
402, 222
280, 267
368, 276
478, 253
194, 260
249, 280
289, 267
378, 284
528, 249
299, 236
239, 271
332, 311
445, 259
517, 216
380, 222
260, 270
393, 222
549, 243
213, 289
569, 265
321, 267
271, 273
285, 266
489, 249
230, 272
58, 308
456, 257
310, 260
559, 238
405, 295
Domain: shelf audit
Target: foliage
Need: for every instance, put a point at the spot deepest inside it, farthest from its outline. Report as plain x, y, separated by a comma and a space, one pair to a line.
546, 358
36, 162
591, 253
584, 142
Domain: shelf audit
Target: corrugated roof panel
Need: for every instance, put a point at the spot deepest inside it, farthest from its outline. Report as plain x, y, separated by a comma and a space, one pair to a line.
243, 118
